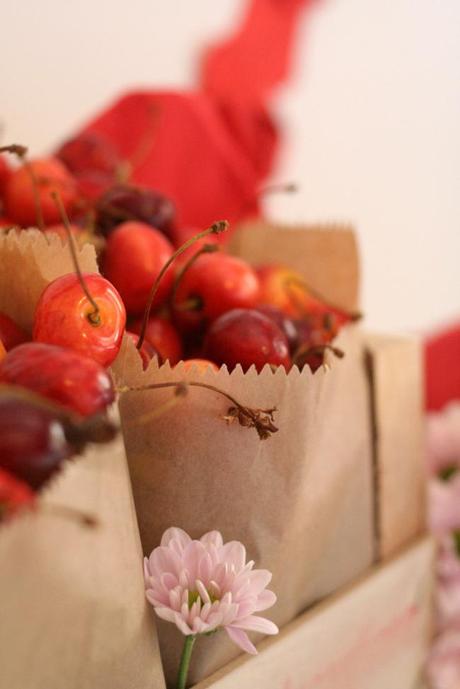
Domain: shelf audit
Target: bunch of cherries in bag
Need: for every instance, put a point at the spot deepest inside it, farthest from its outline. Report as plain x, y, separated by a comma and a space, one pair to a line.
200, 305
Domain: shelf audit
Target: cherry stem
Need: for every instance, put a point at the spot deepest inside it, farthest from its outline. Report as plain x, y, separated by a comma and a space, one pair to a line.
352, 315
93, 316
206, 249
215, 228
72, 513
260, 419
305, 350
21, 152
288, 188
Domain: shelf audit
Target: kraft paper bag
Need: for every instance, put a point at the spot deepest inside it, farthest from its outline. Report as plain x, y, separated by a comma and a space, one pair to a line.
72, 606
301, 501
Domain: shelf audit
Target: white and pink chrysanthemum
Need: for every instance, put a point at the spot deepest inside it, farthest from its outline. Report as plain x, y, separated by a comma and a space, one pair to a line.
203, 585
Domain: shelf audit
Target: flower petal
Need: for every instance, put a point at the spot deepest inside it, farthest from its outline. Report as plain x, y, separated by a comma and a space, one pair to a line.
234, 553
212, 538
254, 623
177, 534
241, 639
265, 600
259, 579
165, 614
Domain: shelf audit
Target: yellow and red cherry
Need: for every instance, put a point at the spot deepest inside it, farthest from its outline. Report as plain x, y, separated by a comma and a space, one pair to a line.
213, 285
134, 256
246, 337
200, 365
60, 374
40, 178
91, 322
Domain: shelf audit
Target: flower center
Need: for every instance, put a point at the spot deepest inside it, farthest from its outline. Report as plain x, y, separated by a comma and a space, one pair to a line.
194, 596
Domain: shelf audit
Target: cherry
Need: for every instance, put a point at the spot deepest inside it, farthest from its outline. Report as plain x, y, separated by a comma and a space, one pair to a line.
125, 202
90, 322
10, 333
21, 191
89, 152
5, 172
2, 351
15, 495
36, 436
163, 336
134, 257
246, 337
62, 375
200, 365
214, 284
284, 323
147, 351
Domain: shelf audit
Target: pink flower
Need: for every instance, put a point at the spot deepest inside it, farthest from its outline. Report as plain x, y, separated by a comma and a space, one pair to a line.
204, 585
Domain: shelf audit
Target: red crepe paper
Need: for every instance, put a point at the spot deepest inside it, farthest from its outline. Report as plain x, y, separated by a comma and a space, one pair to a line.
442, 366
210, 150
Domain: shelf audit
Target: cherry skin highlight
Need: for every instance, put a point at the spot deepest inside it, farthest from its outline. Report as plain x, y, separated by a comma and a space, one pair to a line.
61, 375
10, 333
51, 176
246, 337
284, 323
64, 316
134, 257
213, 285
163, 336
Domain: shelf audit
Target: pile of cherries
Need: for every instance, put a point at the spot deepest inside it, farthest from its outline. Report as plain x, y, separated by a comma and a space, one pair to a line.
203, 306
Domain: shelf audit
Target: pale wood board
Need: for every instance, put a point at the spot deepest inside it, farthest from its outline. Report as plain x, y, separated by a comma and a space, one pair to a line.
373, 635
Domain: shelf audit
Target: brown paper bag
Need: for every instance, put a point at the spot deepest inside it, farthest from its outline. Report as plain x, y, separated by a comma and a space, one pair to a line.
301, 501
72, 607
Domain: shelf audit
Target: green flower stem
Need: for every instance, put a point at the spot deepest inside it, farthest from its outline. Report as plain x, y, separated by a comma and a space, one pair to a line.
185, 660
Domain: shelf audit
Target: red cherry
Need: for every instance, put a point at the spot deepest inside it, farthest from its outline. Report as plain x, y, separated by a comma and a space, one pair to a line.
200, 365
35, 436
163, 336
5, 172
214, 284
32, 441
65, 316
62, 375
246, 337
129, 202
147, 351
15, 495
11, 334
51, 175
134, 257
89, 152
284, 323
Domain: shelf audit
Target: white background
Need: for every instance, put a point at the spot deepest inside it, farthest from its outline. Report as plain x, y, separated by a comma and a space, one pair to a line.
372, 117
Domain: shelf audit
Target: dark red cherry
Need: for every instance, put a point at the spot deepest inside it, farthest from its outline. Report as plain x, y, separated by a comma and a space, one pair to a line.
60, 374
125, 202
283, 322
89, 152
246, 337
